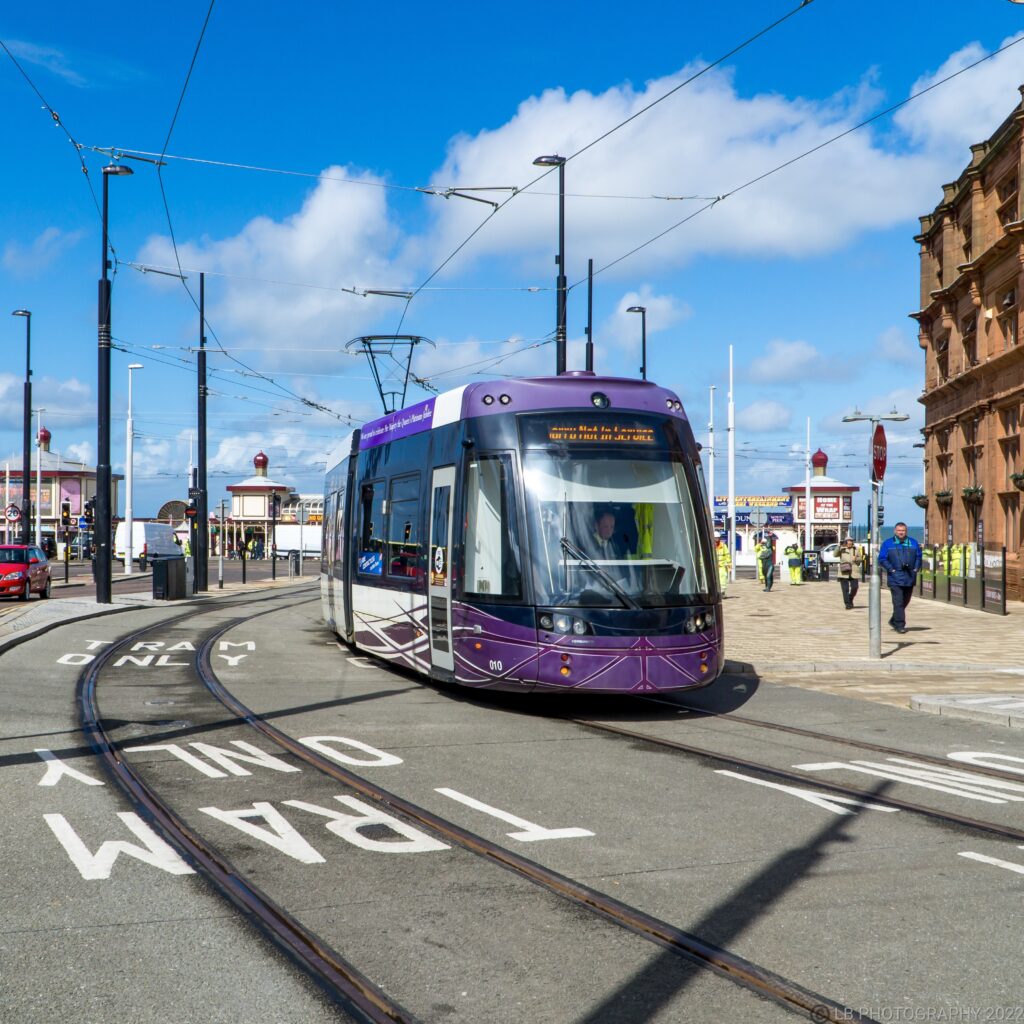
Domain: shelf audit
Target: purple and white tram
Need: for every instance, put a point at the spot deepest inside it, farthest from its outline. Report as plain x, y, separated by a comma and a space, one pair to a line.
538, 534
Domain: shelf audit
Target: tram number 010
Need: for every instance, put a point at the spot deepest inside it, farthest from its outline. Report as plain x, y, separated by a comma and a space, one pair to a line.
496, 666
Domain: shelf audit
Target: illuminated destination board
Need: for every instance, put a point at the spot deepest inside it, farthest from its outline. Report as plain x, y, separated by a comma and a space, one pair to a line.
601, 432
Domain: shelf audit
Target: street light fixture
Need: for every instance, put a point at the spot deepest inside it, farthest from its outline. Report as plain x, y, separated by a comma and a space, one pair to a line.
129, 468
103, 517
875, 584
642, 310
26, 465
560, 284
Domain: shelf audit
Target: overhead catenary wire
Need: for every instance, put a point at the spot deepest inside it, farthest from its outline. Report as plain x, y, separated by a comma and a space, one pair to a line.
801, 156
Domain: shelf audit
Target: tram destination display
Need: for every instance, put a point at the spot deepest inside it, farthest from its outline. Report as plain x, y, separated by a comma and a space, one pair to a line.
602, 431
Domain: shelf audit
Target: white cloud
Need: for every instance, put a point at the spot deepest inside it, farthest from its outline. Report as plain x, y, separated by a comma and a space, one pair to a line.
44, 249
339, 238
46, 57
949, 119
895, 346
764, 416
84, 452
794, 363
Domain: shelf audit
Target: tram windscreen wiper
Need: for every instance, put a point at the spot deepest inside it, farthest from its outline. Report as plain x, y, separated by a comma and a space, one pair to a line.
585, 560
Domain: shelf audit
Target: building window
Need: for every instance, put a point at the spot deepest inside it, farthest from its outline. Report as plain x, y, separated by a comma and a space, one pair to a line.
966, 233
969, 333
942, 357
1010, 440
1006, 197
1012, 522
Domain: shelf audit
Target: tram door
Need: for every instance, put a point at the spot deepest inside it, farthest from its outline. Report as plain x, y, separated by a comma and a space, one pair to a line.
440, 587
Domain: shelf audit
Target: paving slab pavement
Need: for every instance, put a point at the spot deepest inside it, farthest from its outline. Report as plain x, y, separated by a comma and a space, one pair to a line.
950, 661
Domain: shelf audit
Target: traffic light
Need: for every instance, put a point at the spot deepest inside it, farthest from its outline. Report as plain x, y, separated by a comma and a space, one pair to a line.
89, 510
65, 514
881, 515
275, 506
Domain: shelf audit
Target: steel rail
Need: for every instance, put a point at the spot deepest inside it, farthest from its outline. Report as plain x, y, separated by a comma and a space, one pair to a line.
877, 748
363, 1000
947, 817
737, 969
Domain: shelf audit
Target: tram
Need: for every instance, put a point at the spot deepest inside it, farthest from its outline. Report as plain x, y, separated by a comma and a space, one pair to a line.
542, 534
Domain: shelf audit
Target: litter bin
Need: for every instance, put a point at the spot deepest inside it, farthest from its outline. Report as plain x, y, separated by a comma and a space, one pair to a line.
294, 565
168, 579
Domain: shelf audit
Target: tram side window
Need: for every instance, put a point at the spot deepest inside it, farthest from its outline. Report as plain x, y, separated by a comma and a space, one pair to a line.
403, 534
339, 527
493, 563
371, 528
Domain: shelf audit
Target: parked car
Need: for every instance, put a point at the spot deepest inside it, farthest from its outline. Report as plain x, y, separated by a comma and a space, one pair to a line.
830, 553
23, 569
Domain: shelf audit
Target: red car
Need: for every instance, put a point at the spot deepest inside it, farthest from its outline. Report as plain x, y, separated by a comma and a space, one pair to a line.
23, 569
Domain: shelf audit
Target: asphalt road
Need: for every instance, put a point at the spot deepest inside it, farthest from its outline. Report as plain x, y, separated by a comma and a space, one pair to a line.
877, 909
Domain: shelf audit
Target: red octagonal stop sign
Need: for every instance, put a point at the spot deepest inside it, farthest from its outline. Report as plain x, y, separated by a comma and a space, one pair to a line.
879, 452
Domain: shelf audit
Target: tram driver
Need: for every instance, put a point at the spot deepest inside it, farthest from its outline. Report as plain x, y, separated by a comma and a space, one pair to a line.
604, 543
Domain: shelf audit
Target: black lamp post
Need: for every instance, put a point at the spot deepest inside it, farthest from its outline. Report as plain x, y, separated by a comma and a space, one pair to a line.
560, 285
102, 528
26, 436
642, 310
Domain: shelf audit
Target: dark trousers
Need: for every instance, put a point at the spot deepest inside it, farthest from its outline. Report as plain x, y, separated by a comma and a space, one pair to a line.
768, 568
900, 599
850, 588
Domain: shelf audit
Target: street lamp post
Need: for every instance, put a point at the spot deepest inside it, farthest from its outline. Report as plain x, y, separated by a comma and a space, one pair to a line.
103, 517
642, 310
39, 477
875, 583
26, 465
560, 284
129, 469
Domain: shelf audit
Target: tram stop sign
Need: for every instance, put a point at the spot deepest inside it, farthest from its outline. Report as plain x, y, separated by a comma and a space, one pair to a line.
879, 452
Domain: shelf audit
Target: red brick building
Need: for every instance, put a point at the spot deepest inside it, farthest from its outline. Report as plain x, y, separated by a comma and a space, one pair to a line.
972, 279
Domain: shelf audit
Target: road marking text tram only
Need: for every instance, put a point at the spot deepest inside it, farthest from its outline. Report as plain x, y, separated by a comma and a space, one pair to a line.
156, 653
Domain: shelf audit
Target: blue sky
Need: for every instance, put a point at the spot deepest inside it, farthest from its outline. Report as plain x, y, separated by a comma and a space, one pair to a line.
809, 274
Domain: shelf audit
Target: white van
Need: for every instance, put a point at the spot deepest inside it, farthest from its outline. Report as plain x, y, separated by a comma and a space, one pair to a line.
149, 540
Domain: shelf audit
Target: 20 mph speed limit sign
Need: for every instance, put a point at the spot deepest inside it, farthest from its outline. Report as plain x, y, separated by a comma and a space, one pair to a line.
12, 513
879, 452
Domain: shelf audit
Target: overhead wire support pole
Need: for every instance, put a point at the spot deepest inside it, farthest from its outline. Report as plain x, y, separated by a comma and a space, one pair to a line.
731, 511
590, 316
202, 509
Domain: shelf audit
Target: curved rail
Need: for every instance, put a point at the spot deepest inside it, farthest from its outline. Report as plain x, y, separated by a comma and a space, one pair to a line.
691, 947
363, 1000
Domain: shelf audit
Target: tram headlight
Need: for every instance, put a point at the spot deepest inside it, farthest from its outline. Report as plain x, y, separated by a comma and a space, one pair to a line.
563, 623
600, 400
579, 627
547, 622
504, 399
488, 399
699, 622
690, 625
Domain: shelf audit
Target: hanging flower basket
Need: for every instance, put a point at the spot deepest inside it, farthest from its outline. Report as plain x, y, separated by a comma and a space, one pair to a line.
944, 498
921, 500
973, 495
1017, 479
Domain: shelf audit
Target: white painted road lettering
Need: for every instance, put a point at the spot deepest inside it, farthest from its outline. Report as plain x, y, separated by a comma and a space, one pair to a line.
56, 769
227, 758
531, 832
835, 804
321, 744
154, 653
915, 773
249, 645
279, 834
1009, 865
92, 866
348, 827
75, 659
185, 755
986, 760
360, 662
232, 659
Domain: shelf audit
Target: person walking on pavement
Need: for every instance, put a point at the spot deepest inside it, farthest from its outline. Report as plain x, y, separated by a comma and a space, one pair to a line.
851, 571
724, 562
795, 560
900, 557
766, 560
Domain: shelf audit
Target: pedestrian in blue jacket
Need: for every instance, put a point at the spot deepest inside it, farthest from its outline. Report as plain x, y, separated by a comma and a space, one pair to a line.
900, 557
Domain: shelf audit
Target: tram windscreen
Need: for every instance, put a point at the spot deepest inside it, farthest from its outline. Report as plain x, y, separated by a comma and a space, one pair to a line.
614, 529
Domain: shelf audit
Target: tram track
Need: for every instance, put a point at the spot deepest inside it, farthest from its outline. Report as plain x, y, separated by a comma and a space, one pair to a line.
349, 988
839, 789
342, 979
848, 741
